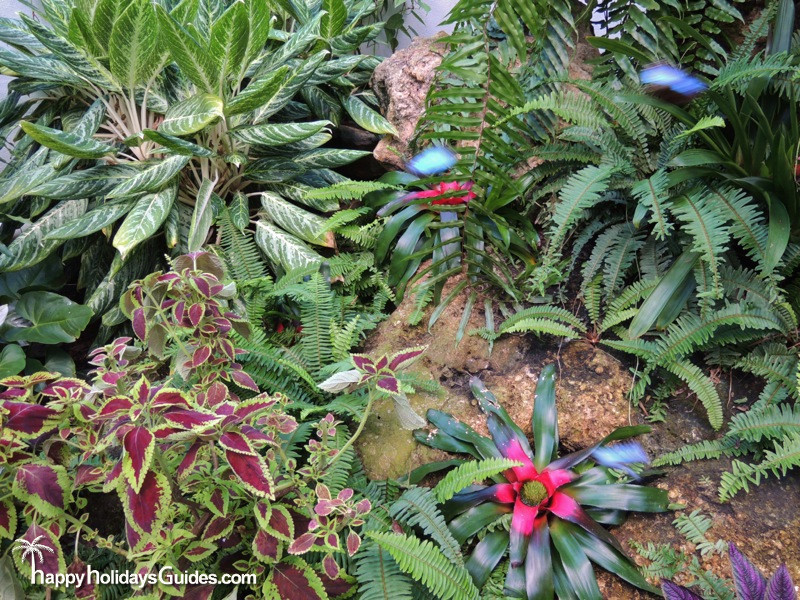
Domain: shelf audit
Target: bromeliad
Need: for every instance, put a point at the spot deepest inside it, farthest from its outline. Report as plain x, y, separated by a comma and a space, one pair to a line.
556, 505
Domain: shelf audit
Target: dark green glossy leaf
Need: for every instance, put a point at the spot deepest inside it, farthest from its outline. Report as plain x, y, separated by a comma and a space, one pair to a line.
545, 419
577, 567
620, 496
486, 556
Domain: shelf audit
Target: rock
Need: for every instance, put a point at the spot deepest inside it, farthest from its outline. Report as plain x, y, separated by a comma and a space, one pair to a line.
401, 83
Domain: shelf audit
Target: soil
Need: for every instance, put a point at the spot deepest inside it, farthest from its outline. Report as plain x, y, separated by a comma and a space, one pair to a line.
592, 401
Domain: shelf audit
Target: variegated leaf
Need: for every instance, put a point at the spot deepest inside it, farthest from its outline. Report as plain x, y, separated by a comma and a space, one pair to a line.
194, 61
23, 181
97, 181
333, 19
176, 145
191, 115
66, 143
92, 221
283, 248
202, 217
295, 220
366, 117
277, 134
144, 219
228, 43
150, 178
240, 211
329, 157
298, 192
259, 93
30, 246
289, 87
132, 49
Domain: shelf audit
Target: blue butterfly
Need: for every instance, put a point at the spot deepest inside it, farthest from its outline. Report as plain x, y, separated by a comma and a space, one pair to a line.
432, 161
676, 84
620, 455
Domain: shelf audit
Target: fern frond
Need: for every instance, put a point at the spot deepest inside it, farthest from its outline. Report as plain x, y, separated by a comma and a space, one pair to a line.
652, 193
702, 387
771, 422
778, 461
348, 190
418, 507
469, 473
379, 577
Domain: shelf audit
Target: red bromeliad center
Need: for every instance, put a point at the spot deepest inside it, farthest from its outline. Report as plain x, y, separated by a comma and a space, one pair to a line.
448, 187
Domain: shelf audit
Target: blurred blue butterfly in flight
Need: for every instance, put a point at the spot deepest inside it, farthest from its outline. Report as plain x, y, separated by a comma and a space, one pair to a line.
620, 455
671, 83
432, 161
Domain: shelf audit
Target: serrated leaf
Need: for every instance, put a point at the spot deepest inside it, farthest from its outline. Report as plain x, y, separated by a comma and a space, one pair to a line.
132, 48
150, 178
144, 219
53, 319
367, 118
66, 143
191, 115
278, 134
284, 249
297, 221
92, 221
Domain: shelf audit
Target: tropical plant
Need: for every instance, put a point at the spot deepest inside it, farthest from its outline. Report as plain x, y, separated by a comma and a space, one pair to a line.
201, 473
748, 582
551, 537
155, 117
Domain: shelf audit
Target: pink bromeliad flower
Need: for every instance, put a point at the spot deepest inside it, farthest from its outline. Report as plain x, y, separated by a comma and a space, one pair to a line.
444, 193
558, 506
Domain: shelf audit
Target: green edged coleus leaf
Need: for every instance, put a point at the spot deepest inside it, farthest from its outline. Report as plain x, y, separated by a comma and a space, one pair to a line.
278, 134
46, 557
138, 445
366, 117
284, 249
252, 472
191, 115
31, 245
145, 510
293, 579
53, 319
94, 220
144, 219
67, 143
8, 519
295, 220
43, 486
151, 178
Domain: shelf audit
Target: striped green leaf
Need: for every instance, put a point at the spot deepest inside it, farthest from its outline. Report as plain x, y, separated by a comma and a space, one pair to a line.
366, 117
144, 219
284, 249
176, 145
92, 221
96, 181
70, 144
240, 211
23, 181
202, 216
258, 93
229, 37
194, 61
105, 15
151, 178
132, 49
333, 19
328, 158
290, 86
278, 134
191, 115
258, 17
30, 246
297, 221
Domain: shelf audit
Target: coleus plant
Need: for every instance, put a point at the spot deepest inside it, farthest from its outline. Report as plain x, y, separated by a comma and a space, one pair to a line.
557, 506
201, 474
748, 581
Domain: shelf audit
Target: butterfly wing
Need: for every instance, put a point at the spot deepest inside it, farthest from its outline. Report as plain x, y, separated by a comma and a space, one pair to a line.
432, 161
671, 82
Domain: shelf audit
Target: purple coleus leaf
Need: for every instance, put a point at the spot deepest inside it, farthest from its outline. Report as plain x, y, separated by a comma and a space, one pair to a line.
677, 592
389, 384
781, 586
750, 584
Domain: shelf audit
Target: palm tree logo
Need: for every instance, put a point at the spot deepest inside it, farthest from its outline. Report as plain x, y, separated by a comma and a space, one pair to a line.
32, 548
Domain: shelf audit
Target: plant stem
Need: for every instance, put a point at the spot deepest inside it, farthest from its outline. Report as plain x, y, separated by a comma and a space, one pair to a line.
357, 433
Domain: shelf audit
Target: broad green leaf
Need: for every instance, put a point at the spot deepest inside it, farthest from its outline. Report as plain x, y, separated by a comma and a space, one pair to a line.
706, 122
86, 183
150, 178
259, 26
240, 211
284, 249
176, 145
333, 20
53, 319
366, 117
12, 361
144, 219
278, 134
194, 61
297, 221
67, 143
328, 157
191, 115
202, 216
105, 15
229, 37
23, 181
30, 246
259, 92
132, 49
92, 221
289, 86
779, 232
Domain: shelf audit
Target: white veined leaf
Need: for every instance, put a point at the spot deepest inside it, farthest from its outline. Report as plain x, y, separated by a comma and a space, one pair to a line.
333, 20
150, 178
297, 221
92, 221
105, 15
259, 92
278, 134
194, 61
191, 115
229, 36
328, 157
290, 86
202, 217
176, 145
283, 248
30, 246
258, 17
96, 181
132, 49
66, 143
367, 118
240, 211
144, 219
23, 181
